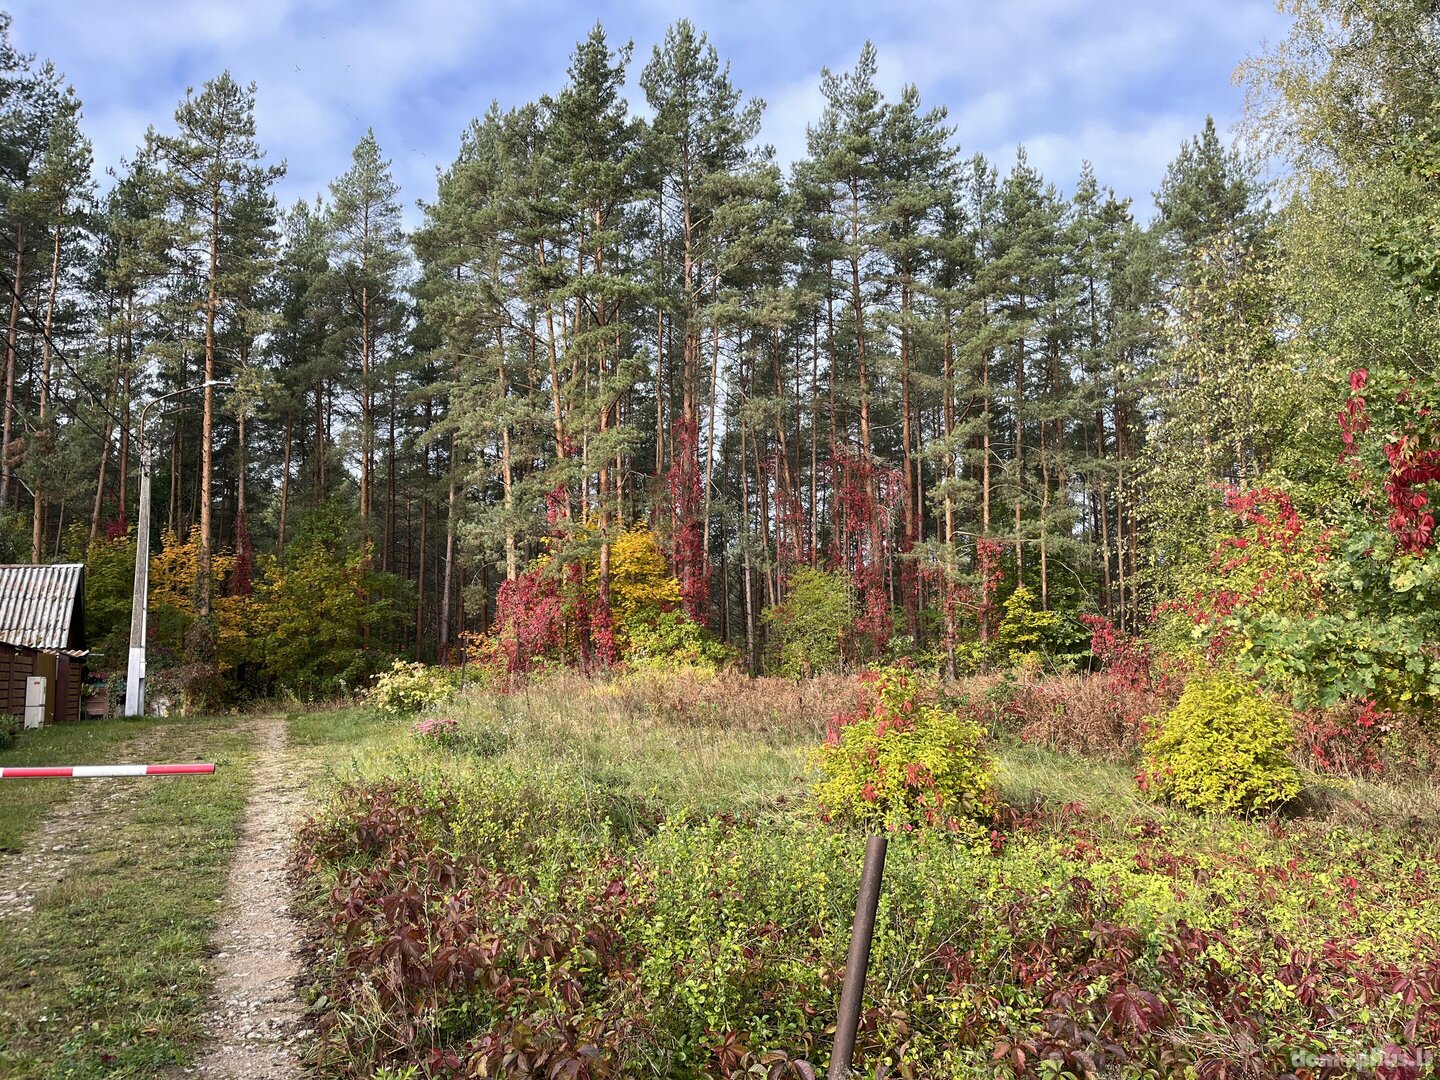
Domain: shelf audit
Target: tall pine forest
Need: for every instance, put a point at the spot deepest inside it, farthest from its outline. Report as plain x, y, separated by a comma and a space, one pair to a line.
635, 388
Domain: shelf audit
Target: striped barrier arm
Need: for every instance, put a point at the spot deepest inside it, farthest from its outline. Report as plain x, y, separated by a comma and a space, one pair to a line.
79, 772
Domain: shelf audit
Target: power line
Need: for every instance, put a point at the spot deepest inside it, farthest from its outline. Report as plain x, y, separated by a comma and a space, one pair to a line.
38, 327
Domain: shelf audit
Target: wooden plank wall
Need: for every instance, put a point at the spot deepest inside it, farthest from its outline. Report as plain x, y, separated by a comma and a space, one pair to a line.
16, 665
63, 699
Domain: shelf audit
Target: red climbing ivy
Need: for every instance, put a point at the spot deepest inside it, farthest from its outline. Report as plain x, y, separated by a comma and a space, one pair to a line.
865, 502
992, 575
530, 620
688, 557
1268, 559
1403, 459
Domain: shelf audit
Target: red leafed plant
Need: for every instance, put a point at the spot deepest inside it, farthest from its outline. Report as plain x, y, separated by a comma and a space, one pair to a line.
992, 576
1347, 739
688, 557
1269, 559
866, 501
530, 619
1141, 683
1404, 453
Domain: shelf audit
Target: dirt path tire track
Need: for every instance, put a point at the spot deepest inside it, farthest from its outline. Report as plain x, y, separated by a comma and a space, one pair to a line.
256, 1021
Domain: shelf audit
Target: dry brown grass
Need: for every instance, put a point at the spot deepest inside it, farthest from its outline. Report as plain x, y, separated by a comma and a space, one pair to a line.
697, 699
1080, 714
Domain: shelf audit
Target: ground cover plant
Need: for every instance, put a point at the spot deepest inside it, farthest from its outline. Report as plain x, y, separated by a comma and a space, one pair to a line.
578, 883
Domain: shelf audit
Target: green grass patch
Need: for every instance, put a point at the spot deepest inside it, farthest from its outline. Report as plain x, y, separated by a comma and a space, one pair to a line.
609, 738
107, 976
347, 726
23, 803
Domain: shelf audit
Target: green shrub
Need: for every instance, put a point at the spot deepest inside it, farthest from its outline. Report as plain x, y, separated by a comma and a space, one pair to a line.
1224, 747
408, 688
672, 639
10, 729
1028, 636
808, 629
904, 759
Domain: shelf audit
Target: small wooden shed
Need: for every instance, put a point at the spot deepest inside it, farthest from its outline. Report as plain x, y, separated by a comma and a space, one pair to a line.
42, 633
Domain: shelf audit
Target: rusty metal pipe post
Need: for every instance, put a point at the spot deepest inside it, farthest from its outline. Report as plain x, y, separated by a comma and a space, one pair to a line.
862, 932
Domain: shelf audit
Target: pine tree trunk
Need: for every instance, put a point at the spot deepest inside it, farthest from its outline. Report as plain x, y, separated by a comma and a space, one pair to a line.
1044, 512
814, 442
285, 484
367, 416
99, 508
1020, 448
43, 431
11, 347
911, 599
123, 464
207, 419
389, 560
710, 435
448, 587
1104, 513
420, 563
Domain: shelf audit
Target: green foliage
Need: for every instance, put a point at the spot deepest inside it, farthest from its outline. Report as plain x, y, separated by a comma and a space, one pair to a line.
1027, 632
321, 615
1350, 653
10, 729
609, 891
1266, 561
1356, 273
1224, 747
808, 629
905, 759
673, 639
1356, 615
411, 688
109, 590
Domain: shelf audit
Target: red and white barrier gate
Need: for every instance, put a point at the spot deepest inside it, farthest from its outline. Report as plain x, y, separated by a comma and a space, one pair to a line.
79, 772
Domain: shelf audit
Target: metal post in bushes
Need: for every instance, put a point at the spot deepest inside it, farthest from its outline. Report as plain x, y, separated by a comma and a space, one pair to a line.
862, 932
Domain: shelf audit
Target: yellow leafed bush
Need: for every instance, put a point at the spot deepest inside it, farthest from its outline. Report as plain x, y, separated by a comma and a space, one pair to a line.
1224, 747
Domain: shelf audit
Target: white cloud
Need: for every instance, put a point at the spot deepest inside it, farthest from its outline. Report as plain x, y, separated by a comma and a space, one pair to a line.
1118, 85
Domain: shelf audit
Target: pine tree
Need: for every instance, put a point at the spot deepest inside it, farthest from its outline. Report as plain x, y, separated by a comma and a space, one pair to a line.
29, 99
598, 149
699, 140
211, 162
59, 199
1212, 228
369, 256
843, 173
305, 354
918, 174
136, 236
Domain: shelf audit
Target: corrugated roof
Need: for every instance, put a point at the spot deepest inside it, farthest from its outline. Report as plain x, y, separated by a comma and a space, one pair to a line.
40, 604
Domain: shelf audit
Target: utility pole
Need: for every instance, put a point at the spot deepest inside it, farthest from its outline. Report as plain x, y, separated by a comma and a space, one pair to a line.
135, 670
139, 603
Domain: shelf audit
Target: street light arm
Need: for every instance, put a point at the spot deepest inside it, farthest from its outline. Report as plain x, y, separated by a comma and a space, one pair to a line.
140, 434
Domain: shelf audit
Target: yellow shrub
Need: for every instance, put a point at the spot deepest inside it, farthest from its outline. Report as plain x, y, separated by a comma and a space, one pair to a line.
1224, 747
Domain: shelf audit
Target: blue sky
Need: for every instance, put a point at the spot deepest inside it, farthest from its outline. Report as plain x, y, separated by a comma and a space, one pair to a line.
1119, 84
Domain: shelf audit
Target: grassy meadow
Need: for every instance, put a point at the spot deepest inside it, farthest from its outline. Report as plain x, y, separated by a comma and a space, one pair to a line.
630, 878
